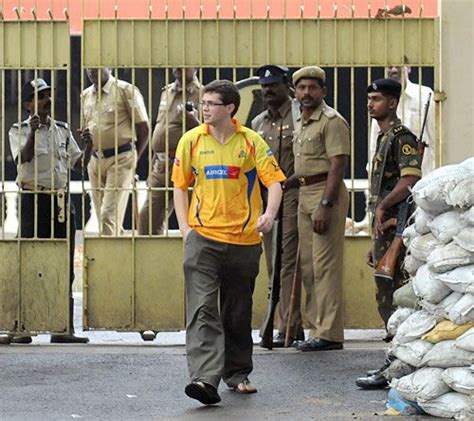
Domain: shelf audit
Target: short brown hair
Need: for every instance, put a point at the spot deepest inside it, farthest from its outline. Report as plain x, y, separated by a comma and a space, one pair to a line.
227, 91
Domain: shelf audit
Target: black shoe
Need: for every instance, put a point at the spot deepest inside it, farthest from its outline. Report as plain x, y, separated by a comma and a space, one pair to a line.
318, 344
68, 339
377, 381
22, 340
203, 392
372, 372
5, 339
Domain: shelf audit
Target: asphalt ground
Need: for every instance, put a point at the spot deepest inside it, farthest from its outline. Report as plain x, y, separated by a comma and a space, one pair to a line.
117, 376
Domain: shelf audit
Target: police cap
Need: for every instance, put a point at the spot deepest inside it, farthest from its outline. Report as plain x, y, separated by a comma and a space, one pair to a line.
386, 86
271, 73
309, 72
28, 89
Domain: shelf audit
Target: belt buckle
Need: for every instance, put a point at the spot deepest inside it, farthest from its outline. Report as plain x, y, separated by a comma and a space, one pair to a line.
99, 153
302, 181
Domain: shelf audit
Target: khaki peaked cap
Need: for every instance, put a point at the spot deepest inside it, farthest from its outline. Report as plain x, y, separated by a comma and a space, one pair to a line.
309, 72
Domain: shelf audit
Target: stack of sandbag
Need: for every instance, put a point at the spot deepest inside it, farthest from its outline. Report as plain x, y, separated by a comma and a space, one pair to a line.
433, 327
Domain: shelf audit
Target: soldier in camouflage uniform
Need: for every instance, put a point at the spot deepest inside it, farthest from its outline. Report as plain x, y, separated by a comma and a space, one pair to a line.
396, 167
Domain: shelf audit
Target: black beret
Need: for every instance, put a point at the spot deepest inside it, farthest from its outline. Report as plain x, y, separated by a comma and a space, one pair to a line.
271, 73
28, 89
386, 86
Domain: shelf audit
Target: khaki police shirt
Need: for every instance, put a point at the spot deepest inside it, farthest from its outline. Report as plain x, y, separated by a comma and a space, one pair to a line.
54, 147
113, 112
169, 121
268, 126
324, 135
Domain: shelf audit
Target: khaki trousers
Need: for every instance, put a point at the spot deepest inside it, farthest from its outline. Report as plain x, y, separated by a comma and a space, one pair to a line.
288, 263
111, 178
322, 262
154, 209
220, 280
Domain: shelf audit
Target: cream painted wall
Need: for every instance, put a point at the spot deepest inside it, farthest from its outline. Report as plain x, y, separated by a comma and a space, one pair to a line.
457, 80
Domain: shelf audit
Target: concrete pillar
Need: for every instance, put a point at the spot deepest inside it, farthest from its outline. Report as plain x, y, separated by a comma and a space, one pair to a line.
457, 80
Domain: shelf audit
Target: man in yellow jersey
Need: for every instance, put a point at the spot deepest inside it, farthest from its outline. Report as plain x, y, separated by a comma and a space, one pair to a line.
222, 243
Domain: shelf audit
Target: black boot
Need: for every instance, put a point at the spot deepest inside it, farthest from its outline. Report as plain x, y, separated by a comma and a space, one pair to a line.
69, 339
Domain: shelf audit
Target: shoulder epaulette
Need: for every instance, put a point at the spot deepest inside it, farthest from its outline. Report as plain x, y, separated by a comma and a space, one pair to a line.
329, 112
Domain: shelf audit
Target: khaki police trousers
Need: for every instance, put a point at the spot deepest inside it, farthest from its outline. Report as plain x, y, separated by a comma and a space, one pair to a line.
154, 209
111, 178
220, 280
288, 263
322, 262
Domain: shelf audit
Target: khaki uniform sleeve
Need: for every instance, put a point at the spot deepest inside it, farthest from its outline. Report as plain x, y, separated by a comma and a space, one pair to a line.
182, 175
75, 152
267, 167
135, 104
409, 159
337, 137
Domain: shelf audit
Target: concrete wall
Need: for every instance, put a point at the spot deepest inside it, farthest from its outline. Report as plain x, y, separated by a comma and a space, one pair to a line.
457, 81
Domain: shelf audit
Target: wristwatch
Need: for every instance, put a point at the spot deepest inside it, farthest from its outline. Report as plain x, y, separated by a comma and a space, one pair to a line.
325, 203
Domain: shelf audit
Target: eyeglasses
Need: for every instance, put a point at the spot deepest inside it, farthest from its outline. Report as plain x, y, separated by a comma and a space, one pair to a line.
210, 104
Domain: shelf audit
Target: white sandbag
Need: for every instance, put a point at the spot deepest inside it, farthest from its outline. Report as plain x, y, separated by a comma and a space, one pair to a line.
460, 379
440, 310
405, 296
465, 239
431, 191
462, 196
445, 226
446, 354
397, 318
397, 369
468, 216
427, 287
423, 385
421, 247
409, 234
449, 257
468, 163
414, 327
412, 264
412, 352
463, 311
460, 279
422, 219
466, 340
449, 405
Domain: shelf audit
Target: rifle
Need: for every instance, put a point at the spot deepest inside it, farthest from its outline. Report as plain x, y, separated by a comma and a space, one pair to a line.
386, 267
422, 145
387, 264
274, 285
266, 332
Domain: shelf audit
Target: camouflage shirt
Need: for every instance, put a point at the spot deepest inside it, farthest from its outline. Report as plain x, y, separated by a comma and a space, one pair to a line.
396, 156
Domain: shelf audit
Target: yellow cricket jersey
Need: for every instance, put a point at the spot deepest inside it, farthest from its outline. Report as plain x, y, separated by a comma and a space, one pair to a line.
226, 200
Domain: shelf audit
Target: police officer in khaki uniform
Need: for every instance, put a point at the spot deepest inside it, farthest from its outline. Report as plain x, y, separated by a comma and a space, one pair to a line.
116, 116
396, 167
45, 150
321, 149
276, 126
176, 114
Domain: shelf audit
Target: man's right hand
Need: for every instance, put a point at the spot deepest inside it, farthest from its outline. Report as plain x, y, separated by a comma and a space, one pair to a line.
370, 258
34, 122
291, 183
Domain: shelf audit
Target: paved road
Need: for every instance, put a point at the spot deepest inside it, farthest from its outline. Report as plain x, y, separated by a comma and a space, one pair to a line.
127, 382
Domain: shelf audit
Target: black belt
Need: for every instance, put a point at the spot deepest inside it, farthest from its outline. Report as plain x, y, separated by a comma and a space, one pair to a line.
312, 179
107, 153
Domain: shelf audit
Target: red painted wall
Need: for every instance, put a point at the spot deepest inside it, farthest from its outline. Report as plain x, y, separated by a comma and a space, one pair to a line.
241, 8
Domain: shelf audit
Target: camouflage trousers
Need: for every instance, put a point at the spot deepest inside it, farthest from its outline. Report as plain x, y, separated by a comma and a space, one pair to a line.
386, 288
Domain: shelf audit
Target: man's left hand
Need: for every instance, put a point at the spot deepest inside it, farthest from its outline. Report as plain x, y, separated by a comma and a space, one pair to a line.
321, 220
265, 223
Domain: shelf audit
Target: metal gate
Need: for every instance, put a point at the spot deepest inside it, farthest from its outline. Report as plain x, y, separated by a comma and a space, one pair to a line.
133, 281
